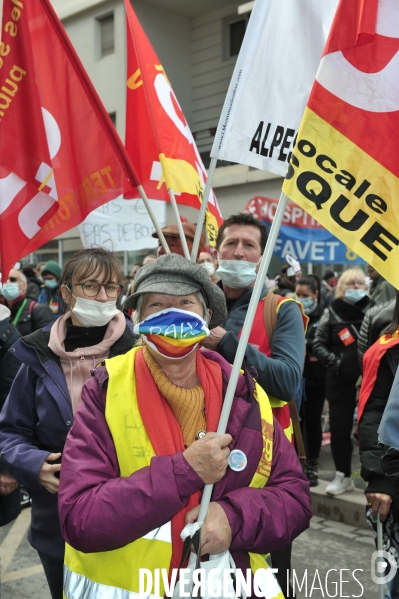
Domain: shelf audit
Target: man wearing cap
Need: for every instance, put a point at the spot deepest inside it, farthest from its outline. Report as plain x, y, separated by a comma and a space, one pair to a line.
172, 238
50, 292
26, 314
143, 445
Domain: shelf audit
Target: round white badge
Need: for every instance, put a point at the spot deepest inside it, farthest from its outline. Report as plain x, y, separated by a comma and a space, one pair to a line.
237, 460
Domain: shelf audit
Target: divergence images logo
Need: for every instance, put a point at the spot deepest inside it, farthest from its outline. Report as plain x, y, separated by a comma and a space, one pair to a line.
379, 565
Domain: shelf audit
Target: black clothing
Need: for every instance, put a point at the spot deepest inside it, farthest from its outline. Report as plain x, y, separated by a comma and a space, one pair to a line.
10, 505
341, 425
77, 336
33, 289
34, 316
375, 323
314, 371
335, 345
54, 570
315, 392
311, 411
370, 450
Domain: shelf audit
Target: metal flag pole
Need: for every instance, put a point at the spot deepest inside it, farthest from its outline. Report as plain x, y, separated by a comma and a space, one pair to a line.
147, 204
242, 345
179, 223
202, 212
381, 590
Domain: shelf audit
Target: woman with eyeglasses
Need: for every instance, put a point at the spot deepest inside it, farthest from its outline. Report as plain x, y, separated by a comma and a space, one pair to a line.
39, 411
335, 346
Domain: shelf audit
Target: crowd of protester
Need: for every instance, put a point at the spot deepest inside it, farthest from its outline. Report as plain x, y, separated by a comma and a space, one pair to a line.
110, 428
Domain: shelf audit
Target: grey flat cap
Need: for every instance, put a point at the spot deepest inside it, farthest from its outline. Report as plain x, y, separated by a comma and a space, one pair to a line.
172, 274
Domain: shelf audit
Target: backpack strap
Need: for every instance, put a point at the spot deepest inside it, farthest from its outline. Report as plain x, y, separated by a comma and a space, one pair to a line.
32, 305
270, 314
270, 321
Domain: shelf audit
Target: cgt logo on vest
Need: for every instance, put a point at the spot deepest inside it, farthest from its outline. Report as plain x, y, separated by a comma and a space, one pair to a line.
315, 181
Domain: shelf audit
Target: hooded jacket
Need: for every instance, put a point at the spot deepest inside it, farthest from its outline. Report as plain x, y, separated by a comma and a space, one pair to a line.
35, 421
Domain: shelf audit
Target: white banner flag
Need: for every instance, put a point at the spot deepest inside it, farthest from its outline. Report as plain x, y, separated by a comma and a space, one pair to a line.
271, 82
123, 225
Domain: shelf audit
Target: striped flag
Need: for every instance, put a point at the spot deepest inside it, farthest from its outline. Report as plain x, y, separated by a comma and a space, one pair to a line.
345, 170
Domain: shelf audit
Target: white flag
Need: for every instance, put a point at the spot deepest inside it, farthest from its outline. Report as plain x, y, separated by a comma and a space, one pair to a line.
271, 82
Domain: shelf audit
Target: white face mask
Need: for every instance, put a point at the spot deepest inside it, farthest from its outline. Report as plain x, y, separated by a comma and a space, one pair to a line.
209, 267
91, 313
237, 274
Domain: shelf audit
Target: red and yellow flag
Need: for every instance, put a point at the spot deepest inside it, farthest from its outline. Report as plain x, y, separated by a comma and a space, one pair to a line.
345, 168
158, 138
60, 156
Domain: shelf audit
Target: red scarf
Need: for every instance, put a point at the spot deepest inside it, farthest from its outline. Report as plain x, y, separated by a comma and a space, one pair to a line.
371, 363
164, 432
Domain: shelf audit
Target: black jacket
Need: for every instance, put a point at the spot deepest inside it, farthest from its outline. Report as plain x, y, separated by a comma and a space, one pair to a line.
33, 317
10, 505
371, 451
314, 371
375, 323
335, 343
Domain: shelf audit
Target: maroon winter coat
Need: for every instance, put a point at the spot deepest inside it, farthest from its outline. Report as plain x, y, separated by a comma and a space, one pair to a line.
101, 511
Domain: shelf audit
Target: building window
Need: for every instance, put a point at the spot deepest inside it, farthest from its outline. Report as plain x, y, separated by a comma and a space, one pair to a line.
233, 35
106, 35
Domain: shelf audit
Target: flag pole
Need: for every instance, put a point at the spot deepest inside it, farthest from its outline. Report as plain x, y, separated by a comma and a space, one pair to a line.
242, 345
381, 590
150, 211
204, 204
179, 223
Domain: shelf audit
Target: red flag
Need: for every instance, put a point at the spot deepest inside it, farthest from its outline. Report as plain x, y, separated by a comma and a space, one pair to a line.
60, 156
158, 138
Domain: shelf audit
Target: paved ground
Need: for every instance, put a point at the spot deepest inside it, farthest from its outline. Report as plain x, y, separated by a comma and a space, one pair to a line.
331, 545
326, 545
22, 575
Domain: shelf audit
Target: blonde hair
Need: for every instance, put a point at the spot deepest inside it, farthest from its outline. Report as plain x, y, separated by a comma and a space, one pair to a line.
348, 275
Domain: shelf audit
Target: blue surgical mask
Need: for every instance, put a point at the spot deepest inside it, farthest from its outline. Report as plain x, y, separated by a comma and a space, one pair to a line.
309, 304
51, 283
237, 274
10, 291
355, 295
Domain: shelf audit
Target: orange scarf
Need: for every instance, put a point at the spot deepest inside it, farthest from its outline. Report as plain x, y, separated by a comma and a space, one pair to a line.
164, 432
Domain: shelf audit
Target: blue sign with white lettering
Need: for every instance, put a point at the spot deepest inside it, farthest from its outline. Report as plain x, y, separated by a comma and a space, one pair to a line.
301, 236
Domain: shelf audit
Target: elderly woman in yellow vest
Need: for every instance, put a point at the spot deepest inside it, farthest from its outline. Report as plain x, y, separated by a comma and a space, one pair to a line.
143, 445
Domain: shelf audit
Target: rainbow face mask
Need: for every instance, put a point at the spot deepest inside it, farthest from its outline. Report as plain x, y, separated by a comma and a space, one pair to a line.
173, 333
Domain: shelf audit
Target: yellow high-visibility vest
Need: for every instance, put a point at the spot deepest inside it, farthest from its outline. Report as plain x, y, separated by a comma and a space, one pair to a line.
116, 573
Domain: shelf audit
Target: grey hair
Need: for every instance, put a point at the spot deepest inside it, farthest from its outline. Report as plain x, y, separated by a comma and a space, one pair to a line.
137, 313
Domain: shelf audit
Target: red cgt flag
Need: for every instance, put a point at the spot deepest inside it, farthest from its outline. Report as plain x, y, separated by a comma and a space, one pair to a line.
60, 156
158, 138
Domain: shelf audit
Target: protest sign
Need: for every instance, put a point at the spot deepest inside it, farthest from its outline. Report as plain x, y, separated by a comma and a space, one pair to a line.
124, 225
301, 235
344, 169
271, 82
